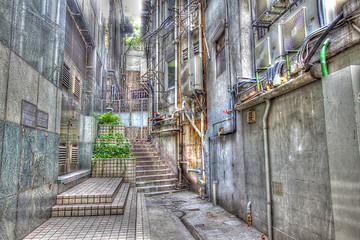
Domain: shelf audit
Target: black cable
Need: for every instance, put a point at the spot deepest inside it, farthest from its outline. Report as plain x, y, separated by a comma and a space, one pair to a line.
320, 40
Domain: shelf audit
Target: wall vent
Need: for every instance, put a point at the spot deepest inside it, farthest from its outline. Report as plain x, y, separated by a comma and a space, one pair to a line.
251, 116
62, 155
185, 55
196, 48
75, 154
66, 76
77, 87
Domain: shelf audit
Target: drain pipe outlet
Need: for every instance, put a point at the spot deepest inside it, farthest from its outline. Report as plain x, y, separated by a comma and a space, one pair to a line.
214, 191
267, 168
248, 210
202, 193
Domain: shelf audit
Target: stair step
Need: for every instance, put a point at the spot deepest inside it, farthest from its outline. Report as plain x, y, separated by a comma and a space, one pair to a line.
142, 163
152, 172
150, 167
157, 188
154, 177
100, 209
146, 158
93, 190
168, 181
145, 154
149, 194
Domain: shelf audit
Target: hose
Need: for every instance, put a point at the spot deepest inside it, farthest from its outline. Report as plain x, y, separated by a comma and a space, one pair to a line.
323, 57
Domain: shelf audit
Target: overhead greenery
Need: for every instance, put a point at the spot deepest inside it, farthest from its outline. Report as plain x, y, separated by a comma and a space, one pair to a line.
108, 118
135, 43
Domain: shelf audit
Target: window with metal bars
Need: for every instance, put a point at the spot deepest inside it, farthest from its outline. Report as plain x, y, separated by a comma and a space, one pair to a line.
196, 48
75, 46
220, 55
77, 87
62, 155
66, 78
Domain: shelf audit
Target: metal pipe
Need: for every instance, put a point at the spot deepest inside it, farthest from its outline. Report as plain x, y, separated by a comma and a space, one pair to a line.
176, 58
248, 210
323, 57
267, 169
202, 193
214, 191
252, 40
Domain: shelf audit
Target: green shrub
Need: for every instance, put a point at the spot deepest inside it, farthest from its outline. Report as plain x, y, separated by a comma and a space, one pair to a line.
108, 118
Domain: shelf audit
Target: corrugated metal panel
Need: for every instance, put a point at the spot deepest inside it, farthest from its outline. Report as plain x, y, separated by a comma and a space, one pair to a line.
62, 155
66, 76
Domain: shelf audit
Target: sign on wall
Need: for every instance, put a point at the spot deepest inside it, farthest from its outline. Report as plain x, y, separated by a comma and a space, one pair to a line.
32, 117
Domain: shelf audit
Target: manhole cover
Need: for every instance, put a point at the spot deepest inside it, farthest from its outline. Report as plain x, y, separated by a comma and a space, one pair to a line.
232, 222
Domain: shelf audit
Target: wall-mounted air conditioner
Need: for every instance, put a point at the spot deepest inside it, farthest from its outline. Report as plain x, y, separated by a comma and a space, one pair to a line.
191, 76
297, 25
269, 49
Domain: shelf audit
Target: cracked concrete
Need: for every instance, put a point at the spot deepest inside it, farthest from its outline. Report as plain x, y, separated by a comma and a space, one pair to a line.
185, 216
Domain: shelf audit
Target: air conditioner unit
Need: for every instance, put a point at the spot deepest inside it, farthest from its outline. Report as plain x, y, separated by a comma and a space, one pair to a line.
191, 76
299, 24
262, 53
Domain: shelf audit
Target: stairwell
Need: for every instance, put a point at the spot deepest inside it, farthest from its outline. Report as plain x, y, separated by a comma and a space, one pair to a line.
153, 176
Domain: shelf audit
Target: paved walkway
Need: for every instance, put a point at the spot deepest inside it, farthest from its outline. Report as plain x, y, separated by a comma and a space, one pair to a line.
175, 216
133, 224
178, 216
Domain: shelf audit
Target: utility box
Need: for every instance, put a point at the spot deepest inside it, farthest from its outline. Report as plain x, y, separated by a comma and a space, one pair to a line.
341, 92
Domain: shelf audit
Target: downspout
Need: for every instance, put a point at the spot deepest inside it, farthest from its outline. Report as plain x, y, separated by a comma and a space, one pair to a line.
176, 57
267, 169
323, 57
248, 210
202, 193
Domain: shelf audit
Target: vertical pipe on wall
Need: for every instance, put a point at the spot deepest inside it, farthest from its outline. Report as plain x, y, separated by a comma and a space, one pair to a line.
267, 169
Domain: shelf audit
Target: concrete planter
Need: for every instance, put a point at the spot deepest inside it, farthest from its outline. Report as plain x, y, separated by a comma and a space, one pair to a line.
115, 167
107, 128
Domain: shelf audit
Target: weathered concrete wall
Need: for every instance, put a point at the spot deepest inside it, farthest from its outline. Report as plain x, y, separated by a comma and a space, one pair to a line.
28, 156
225, 154
341, 92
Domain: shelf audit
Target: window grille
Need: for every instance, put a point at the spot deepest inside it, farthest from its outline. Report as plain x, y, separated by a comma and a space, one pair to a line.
77, 87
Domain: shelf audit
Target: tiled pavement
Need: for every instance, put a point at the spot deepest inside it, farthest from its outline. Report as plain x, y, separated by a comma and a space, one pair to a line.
133, 224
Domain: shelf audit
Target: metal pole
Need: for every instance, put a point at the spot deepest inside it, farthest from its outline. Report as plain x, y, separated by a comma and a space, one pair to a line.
142, 120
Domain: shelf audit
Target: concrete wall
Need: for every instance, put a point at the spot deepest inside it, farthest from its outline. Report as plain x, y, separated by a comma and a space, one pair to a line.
28, 156
341, 102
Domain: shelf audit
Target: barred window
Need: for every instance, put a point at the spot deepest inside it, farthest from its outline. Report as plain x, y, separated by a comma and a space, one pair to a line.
220, 55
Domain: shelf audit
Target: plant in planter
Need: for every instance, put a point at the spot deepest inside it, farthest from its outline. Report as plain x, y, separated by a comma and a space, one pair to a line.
108, 118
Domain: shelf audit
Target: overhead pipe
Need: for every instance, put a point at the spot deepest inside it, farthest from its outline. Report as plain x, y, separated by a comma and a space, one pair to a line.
323, 57
202, 193
267, 169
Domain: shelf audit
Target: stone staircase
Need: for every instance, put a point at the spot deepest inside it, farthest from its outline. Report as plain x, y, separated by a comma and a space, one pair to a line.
153, 176
94, 197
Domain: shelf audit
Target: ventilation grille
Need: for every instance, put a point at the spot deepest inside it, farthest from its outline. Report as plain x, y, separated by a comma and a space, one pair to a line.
62, 155
75, 154
66, 76
196, 48
77, 88
185, 55
251, 117
262, 54
295, 31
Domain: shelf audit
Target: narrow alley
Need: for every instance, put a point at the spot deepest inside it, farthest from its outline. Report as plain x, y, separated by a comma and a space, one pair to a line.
180, 119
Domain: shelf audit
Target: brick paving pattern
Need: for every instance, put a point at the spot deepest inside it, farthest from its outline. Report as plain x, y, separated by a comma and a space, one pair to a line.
99, 227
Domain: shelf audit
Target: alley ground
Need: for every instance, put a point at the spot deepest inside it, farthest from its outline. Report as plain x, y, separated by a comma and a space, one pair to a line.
175, 216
